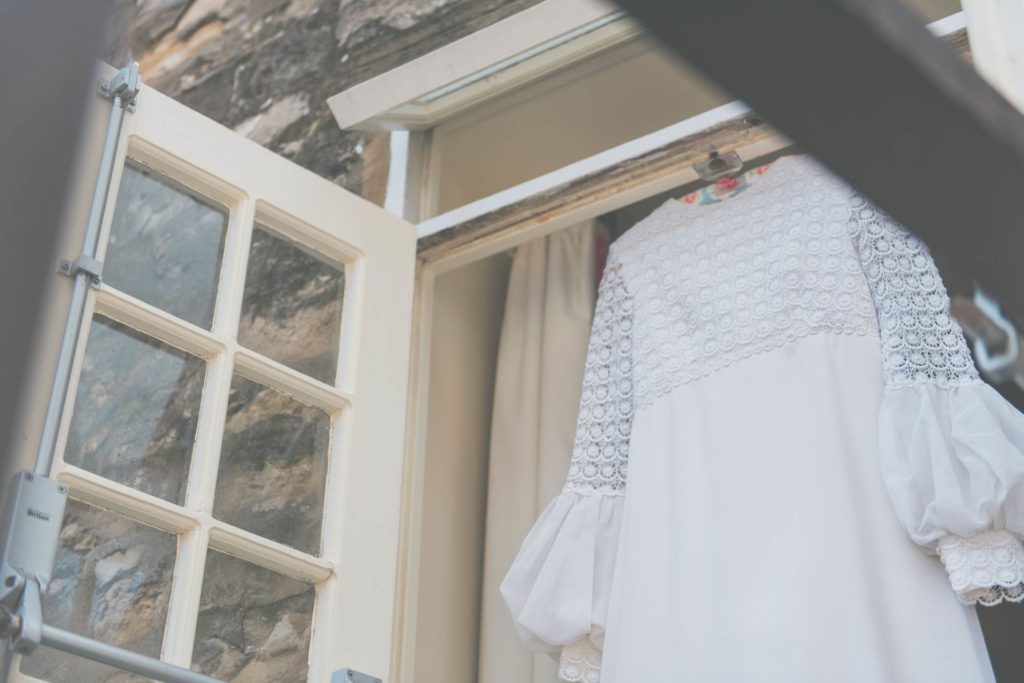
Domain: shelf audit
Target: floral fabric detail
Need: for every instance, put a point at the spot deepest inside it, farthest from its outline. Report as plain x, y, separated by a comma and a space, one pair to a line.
725, 188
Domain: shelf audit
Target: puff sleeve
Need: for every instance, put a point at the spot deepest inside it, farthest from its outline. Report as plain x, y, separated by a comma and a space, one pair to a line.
559, 584
951, 447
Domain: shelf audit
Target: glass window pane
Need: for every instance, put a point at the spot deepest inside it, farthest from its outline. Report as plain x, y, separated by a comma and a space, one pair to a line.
165, 246
273, 465
291, 306
254, 624
112, 582
136, 411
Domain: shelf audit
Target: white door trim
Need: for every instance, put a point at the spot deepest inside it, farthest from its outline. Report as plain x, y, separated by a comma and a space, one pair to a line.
522, 48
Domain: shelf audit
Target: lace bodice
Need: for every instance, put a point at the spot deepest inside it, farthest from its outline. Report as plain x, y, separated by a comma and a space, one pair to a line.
692, 289
714, 284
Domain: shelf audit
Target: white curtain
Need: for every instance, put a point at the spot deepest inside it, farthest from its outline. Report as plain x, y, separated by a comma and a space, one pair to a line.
544, 335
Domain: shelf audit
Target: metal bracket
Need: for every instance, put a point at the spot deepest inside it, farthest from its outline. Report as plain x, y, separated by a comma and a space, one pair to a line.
29, 619
83, 264
997, 343
1007, 363
31, 534
719, 165
350, 676
125, 85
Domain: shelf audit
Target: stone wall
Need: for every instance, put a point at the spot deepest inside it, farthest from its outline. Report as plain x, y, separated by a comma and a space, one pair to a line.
266, 67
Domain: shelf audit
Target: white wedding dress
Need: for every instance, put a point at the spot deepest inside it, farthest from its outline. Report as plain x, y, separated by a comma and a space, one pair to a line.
804, 431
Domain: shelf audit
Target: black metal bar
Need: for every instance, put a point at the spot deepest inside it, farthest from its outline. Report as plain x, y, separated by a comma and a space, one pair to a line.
863, 86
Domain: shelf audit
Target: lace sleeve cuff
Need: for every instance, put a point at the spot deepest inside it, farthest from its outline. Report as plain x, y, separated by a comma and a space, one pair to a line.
986, 569
580, 662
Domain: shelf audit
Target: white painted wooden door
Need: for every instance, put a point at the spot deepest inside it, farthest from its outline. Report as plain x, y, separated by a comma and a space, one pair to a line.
234, 432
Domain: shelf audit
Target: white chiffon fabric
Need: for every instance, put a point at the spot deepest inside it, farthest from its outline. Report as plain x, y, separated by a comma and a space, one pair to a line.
804, 431
569, 569
759, 543
548, 309
953, 461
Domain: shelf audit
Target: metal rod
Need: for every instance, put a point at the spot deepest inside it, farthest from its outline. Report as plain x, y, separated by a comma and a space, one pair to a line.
76, 311
75, 644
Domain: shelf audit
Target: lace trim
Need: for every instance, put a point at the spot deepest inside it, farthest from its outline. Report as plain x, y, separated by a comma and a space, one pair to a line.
716, 284
920, 340
942, 383
580, 661
601, 450
985, 569
592, 491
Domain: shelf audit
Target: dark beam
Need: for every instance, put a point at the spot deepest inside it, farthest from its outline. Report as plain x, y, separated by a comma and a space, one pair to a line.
864, 86
47, 53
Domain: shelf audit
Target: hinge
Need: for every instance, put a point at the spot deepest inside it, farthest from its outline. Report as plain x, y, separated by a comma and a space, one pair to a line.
83, 264
29, 538
350, 676
997, 343
126, 85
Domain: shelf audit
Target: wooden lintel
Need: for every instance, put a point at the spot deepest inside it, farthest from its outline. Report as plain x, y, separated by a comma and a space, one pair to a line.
546, 205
